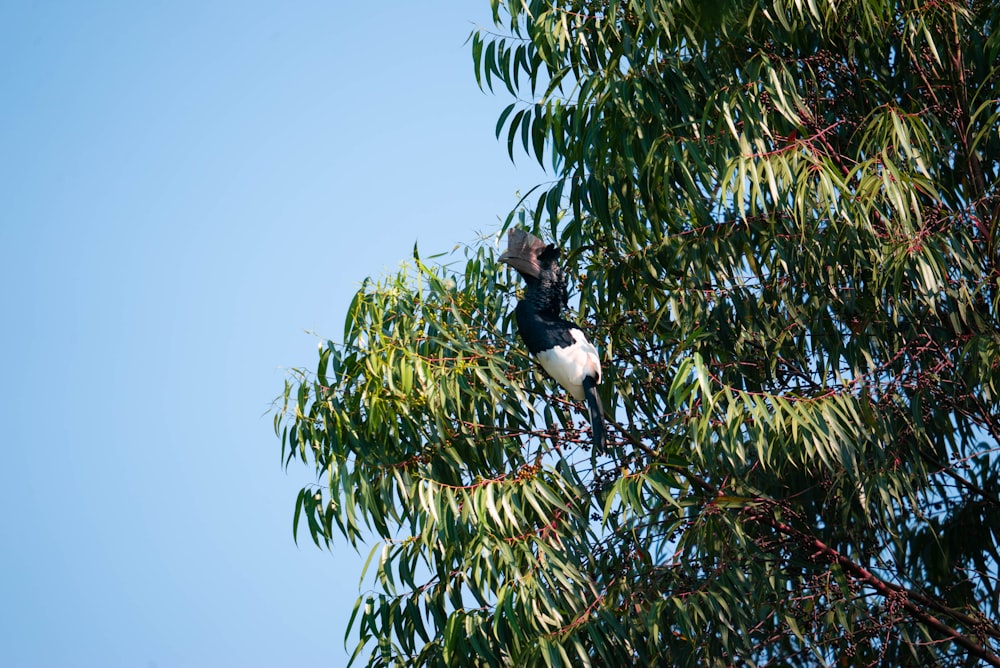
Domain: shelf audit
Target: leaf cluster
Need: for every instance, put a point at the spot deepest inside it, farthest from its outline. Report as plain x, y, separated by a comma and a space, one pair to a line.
780, 220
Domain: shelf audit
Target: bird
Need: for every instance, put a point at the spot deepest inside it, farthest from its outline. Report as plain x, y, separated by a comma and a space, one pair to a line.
559, 345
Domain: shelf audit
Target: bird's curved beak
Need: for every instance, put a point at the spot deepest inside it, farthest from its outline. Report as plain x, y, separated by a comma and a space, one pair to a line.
523, 249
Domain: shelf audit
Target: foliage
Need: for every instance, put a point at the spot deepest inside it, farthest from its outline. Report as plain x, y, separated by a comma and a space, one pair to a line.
781, 217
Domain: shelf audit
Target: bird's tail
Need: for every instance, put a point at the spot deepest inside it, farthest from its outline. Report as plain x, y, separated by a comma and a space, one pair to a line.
596, 413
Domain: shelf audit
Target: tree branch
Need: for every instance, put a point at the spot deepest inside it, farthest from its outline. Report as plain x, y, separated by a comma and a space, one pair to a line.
907, 598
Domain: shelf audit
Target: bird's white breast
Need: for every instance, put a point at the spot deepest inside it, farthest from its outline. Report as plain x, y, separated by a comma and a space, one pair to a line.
569, 365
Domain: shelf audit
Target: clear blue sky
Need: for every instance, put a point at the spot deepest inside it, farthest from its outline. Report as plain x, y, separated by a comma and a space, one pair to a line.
186, 190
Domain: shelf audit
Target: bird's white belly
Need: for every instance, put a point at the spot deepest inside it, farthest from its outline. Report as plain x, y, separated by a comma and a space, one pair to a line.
569, 365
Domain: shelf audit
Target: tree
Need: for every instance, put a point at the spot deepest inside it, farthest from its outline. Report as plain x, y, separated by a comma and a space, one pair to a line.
781, 218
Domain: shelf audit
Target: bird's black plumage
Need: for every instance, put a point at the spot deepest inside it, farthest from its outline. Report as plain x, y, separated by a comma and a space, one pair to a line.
558, 344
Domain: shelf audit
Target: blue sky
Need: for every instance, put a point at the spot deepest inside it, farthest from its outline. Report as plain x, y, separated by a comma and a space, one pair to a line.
187, 190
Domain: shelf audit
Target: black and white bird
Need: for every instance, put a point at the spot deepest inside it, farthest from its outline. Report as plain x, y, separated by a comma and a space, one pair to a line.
559, 345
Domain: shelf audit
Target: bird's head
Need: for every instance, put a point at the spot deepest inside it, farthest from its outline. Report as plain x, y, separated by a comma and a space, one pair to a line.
529, 255
538, 263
